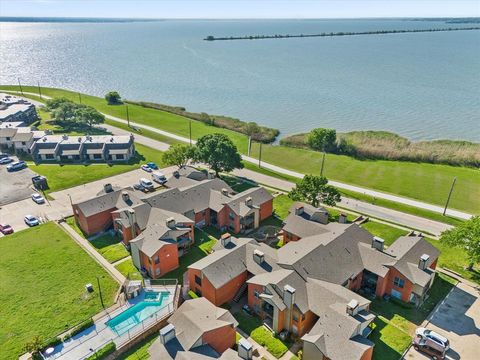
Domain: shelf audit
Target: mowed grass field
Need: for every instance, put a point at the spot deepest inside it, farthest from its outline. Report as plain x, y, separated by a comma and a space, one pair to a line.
43, 274
69, 175
421, 181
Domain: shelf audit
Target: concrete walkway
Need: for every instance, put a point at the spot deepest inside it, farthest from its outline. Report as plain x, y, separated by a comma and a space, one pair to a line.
94, 254
374, 193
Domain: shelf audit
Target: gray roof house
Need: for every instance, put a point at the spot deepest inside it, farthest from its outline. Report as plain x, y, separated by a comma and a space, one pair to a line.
304, 220
198, 330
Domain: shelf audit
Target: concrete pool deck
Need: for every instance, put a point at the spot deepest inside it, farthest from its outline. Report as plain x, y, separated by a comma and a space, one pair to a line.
92, 339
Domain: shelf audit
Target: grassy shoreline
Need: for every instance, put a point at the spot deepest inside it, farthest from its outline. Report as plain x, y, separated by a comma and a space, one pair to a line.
421, 181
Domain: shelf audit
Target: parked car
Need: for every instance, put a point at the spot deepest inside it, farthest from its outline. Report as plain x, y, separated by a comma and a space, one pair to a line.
39, 199
147, 184
159, 177
17, 165
146, 168
422, 345
3, 155
152, 165
6, 229
433, 336
31, 220
139, 187
5, 160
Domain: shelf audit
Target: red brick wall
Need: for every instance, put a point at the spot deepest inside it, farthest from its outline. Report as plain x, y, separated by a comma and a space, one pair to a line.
252, 300
306, 324
434, 265
220, 339
381, 286
216, 296
407, 288
168, 256
199, 216
356, 283
367, 355
266, 209
95, 223
287, 237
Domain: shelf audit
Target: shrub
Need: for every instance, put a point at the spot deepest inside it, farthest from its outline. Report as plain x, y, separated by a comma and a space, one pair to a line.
322, 139
103, 352
79, 328
260, 133
192, 294
265, 338
113, 98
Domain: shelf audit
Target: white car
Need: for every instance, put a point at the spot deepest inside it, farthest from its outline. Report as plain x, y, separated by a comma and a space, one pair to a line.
147, 184
39, 199
146, 168
6, 160
31, 220
433, 336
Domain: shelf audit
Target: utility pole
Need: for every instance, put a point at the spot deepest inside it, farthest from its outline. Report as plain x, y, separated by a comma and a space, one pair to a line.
39, 90
20, 85
323, 162
80, 97
249, 145
190, 129
260, 156
100, 292
128, 115
449, 195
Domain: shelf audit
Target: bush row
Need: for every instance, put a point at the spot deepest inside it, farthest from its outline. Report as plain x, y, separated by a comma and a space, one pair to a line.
382, 145
259, 133
103, 352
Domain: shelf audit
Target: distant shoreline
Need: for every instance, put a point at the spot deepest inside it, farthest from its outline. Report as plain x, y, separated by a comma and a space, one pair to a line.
340, 33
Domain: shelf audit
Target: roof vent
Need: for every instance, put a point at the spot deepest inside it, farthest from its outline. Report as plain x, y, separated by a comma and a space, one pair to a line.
65, 137
299, 210
378, 243
225, 239
342, 218
79, 139
125, 196
249, 201
176, 173
258, 256
170, 222
422, 264
225, 191
44, 139
108, 187
111, 139
352, 307
211, 174
245, 349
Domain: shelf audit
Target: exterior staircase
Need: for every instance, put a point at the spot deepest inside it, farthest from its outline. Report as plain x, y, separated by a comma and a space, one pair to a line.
240, 292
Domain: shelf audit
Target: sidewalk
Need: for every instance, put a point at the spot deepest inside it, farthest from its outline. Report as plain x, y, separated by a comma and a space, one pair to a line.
94, 254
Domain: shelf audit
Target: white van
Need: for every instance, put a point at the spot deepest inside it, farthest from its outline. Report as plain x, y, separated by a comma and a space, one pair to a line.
159, 177
147, 184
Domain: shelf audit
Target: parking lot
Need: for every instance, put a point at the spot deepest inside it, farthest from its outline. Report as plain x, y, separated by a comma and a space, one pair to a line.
16, 185
458, 319
13, 213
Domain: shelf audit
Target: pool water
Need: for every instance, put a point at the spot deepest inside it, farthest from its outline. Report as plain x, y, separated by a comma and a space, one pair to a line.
134, 315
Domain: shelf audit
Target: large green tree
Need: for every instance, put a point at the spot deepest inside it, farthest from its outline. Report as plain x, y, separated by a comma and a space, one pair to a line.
219, 152
322, 139
179, 155
113, 98
315, 190
467, 237
88, 115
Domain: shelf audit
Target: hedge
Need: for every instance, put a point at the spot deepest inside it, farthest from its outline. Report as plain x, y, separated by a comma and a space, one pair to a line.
108, 349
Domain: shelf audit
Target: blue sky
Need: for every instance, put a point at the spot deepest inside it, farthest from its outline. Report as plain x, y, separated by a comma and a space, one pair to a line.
240, 8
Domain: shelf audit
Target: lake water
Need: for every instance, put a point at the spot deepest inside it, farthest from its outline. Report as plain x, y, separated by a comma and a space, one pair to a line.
420, 85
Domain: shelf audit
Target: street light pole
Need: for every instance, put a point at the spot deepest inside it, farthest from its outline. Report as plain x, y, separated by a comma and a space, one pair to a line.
190, 130
20, 85
128, 115
39, 90
323, 162
449, 195
100, 292
260, 156
80, 97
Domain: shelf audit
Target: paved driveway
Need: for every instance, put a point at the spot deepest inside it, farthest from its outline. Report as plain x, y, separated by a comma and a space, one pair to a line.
16, 185
458, 319
14, 213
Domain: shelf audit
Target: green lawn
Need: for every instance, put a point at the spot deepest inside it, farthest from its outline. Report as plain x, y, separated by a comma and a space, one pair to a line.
65, 176
202, 247
129, 270
254, 327
421, 181
139, 351
386, 232
390, 342
43, 273
110, 247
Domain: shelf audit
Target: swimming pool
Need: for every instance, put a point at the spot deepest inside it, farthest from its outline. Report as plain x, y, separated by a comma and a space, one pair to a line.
153, 302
